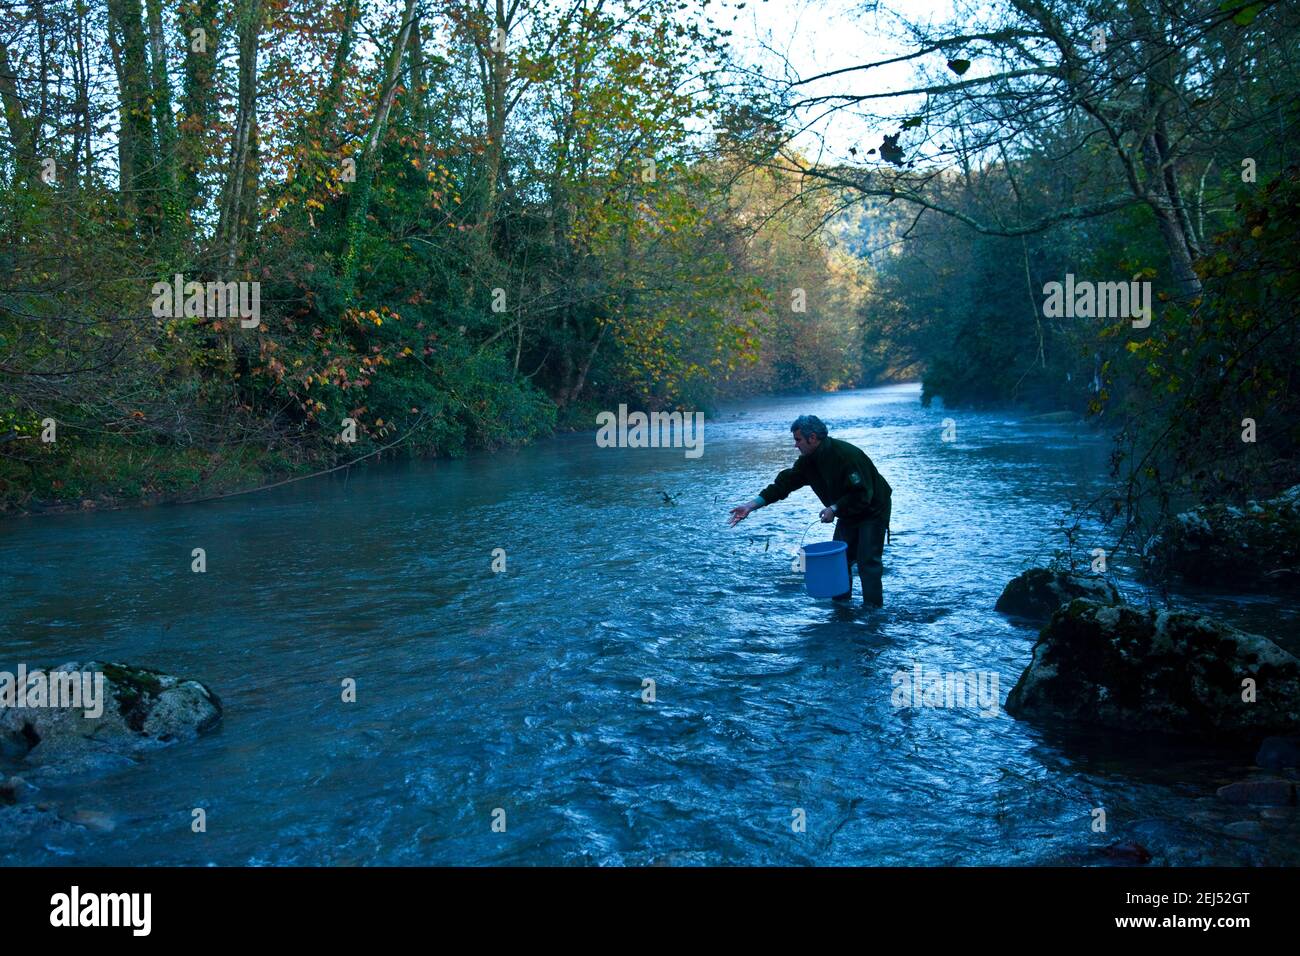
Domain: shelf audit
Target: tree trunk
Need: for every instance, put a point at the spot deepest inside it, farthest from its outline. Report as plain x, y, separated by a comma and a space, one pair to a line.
43, 103
1156, 182
359, 202
138, 157
125, 167
198, 102
580, 381
1173, 227
417, 90
338, 72
566, 359
20, 128
1162, 193
235, 201
496, 113
161, 92
316, 128
82, 136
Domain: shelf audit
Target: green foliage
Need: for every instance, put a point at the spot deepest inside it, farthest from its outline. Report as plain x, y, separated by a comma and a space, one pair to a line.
445, 268
1224, 358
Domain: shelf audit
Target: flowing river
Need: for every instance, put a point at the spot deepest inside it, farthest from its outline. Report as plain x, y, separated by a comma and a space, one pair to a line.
517, 697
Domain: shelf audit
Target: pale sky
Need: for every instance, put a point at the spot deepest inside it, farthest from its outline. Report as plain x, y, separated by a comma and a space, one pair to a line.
818, 36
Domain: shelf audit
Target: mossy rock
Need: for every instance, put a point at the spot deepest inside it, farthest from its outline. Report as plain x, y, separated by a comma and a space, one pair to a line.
1255, 547
1170, 672
1038, 592
140, 709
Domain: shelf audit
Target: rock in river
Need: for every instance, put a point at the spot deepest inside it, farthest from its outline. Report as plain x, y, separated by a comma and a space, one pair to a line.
1255, 547
1171, 672
1038, 592
138, 709
1273, 793
1278, 752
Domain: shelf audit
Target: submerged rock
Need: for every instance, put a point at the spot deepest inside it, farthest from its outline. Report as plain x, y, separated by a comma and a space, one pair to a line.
139, 709
1127, 852
27, 822
14, 789
1253, 548
1038, 592
1160, 671
1278, 752
96, 820
1246, 830
1273, 793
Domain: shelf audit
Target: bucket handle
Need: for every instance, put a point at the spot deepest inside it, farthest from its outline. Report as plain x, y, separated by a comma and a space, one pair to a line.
816, 520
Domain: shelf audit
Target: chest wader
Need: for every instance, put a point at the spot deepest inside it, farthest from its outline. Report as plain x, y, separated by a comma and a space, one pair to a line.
866, 547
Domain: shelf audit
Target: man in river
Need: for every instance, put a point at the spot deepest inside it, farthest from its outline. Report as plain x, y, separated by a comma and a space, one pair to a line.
846, 481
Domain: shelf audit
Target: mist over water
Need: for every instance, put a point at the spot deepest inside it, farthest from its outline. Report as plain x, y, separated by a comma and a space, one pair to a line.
523, 690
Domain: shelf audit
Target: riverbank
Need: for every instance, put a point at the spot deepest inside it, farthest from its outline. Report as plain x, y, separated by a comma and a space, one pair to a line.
109, 476
110, 479
122, 474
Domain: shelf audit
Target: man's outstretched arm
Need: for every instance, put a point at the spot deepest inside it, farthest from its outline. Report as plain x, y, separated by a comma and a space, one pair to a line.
789, 480
741, 512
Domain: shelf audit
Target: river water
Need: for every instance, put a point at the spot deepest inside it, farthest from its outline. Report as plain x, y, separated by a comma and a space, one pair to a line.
517, 697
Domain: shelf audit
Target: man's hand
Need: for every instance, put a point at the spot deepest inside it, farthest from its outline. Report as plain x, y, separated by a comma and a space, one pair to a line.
739, 514
827, 515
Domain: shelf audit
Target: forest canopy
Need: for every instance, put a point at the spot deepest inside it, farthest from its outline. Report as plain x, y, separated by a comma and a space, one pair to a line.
466, 223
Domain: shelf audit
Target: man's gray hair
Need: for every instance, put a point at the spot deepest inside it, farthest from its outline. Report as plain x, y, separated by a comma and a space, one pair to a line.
809, 425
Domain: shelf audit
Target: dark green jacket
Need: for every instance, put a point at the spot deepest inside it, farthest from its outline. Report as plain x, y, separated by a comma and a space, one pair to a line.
840, 474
